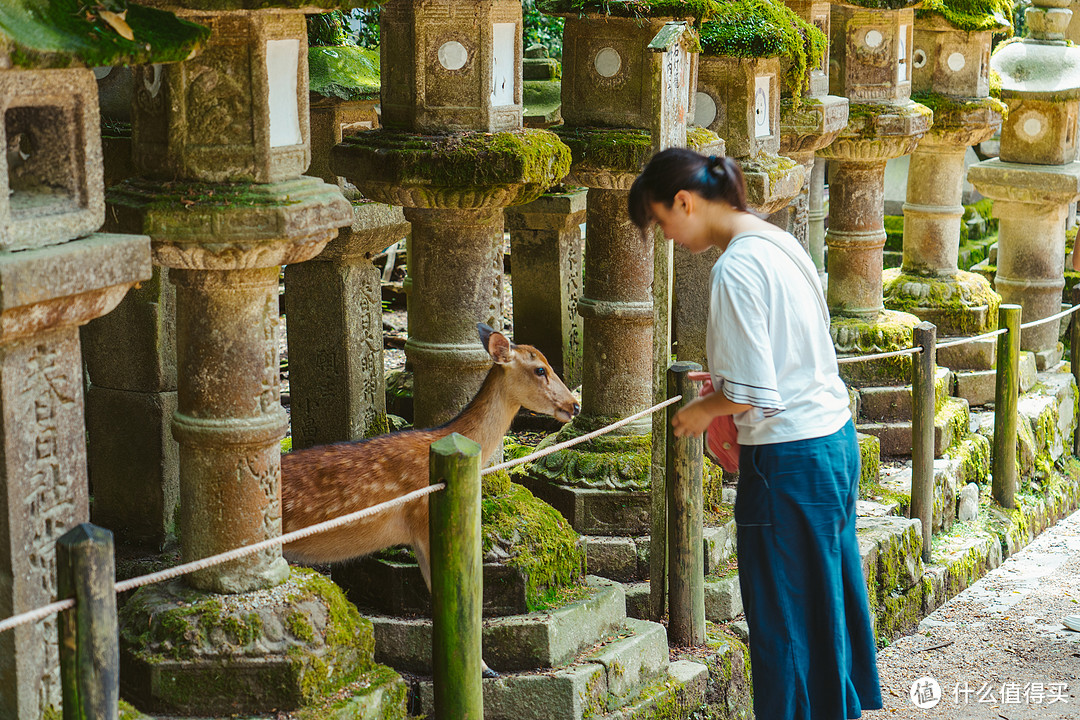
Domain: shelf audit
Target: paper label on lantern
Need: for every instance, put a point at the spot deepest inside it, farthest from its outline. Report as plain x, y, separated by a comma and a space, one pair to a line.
704, 109
503, 62
762, 100
282, 63
902, 61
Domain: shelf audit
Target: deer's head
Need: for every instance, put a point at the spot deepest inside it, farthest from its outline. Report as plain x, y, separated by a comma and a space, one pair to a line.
528, 377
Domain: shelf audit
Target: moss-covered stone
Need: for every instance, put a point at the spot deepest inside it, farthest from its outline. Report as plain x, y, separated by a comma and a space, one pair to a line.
766, 28
614, 462
889, 331
531, 536
699, 9
867, 121
973, 453
64, 33
953, 112
308, 638
345, 72
869, 463
620, 150
378, 694
971, 15
524, 163
960, 304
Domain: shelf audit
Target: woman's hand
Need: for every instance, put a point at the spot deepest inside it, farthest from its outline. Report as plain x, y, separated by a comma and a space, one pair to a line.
693, 418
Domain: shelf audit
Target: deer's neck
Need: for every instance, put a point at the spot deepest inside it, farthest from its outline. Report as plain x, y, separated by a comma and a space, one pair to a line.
487, 418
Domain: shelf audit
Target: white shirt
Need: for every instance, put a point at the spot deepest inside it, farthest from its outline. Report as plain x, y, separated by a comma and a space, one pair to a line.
768, 342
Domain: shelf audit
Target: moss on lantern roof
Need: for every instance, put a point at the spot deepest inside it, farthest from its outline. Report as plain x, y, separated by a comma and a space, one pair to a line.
700, 9
972, 15
346, 72
65, 33
766, 28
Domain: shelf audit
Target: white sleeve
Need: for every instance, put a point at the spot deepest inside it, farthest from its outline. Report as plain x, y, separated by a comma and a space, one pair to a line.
740, 352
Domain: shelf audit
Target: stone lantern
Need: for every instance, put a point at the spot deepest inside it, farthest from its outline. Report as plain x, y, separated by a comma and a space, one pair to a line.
810, 119
56, 273
452, 152
1036, 177
333, 303
220, 141
951, 68
870, 63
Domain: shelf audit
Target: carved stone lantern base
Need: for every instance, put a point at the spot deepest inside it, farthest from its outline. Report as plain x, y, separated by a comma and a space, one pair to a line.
886, 331
958, 304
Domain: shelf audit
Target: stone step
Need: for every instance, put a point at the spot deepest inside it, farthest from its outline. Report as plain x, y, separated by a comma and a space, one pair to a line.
891, 552
951, 474
975, 386
972, 355
626, 559
895, 436
629, 677
729, 692
548, 638
888, 404
723, 598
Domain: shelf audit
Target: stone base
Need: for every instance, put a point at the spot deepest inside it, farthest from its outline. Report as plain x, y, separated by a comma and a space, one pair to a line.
1047, 359
596, 512
184, 651
728, 693
976, 355
960, 304
626, 559
890, 330
895, 436
550, 638
397, 587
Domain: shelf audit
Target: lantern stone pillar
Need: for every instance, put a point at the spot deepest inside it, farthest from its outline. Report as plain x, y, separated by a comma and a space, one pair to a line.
951, 68
1036, 176
333, 303
220, 142
546, 246
870, 64
452, 152
57, 272
816, 215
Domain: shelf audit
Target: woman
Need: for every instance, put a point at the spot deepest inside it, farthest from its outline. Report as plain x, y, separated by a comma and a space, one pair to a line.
773, 365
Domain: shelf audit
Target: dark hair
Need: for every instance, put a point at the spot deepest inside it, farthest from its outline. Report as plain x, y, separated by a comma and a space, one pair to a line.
675, 169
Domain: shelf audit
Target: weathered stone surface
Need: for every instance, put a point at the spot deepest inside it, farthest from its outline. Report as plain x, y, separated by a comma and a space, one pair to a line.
891, 551
227, 129
956, 302
948, 60
723, 598
53, 183
634, 662
1038, 83
968, 508
977, 355
978, 387
729, 692
451, 66
183, 651
865, 46
597, 512
546, 244
549, 638
612, 557
733, 85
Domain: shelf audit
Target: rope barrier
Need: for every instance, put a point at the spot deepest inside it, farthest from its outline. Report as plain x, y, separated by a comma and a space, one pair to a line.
879, 356
1043, 321
240, 552
964, 341
578, 440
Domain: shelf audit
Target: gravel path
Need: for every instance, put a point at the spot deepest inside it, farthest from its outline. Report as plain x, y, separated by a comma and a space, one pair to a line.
1002, 639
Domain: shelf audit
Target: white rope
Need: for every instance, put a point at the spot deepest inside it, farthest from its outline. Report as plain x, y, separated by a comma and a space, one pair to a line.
1052, 318
879, 356
34, 615
240, 552
963, 341
578, 440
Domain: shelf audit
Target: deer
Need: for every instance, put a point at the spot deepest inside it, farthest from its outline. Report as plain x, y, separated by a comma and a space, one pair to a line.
327, 481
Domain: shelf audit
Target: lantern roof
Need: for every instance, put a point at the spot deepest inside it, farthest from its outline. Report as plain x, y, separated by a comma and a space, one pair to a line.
697, 9
1033, 69
971, 15
65, 33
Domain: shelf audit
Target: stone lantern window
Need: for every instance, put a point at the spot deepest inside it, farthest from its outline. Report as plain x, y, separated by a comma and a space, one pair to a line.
739, 100
246, 119
949, 61
458, 70
871, 53
50, 175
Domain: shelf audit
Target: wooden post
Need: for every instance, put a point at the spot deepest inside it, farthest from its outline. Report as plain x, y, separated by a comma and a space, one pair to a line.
456, 580
1006, 397
686, 554
89, 640
1074, 360
923, 369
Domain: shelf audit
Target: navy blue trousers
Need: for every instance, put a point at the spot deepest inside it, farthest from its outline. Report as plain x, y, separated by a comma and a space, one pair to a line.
812, 649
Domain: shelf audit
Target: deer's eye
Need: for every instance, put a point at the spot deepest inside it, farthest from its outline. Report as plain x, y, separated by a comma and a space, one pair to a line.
541, 372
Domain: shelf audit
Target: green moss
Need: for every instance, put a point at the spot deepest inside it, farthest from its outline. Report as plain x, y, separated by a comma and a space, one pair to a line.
698, 138
952, 111
127, 712
616, 149
869, 463
776, 167
538, 541
459, 161
286, 445
863, 117
971, 15
327, 29
351, 701
766, 28
887, 332
182, 194
540, 95
63, 33
954, 303
297, 624
894, 233
995, 84
613, 462
700, 9
345, 72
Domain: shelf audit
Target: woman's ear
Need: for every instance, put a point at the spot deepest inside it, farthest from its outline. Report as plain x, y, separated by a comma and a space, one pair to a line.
684, 199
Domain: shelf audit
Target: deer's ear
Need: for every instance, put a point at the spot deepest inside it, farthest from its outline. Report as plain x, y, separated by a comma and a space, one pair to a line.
499, 347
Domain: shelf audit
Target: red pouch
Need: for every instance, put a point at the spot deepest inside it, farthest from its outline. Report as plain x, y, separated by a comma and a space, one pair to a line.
721, 437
